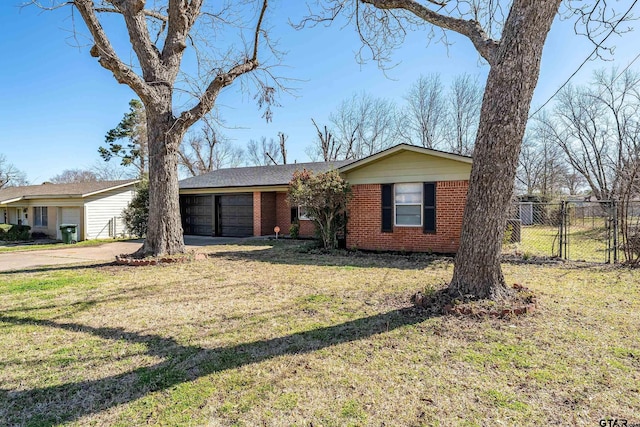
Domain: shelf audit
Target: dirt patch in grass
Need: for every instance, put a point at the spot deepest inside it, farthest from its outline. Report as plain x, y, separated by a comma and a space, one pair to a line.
439, 300
274, 334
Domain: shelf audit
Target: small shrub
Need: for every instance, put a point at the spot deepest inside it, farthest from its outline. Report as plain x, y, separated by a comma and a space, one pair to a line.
136, 214
14, 233
294, 230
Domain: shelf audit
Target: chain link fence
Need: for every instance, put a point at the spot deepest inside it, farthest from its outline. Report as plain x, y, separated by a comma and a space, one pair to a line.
603, 231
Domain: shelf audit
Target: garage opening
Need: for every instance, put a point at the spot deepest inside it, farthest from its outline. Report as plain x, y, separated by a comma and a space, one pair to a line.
197, 215
235, 215
228, 215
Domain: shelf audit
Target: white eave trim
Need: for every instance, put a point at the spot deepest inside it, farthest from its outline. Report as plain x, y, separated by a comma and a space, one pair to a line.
6, 202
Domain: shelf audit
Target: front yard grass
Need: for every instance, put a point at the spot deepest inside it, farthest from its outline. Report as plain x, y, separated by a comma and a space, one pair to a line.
274, 335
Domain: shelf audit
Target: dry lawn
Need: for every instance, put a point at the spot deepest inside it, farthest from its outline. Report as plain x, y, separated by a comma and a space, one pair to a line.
273, 335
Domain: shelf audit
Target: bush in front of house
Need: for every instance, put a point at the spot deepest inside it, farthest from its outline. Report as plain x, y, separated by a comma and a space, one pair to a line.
14, 233
324, 197
294, 230
136, 214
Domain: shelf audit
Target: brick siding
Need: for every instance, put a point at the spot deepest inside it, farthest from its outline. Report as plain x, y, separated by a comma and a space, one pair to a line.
271, 209
257, 213
365, 221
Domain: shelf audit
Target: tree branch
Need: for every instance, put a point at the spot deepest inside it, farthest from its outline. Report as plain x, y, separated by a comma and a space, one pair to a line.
105, 53
147, 12
146, 51
223, 80
469, 28
182, 16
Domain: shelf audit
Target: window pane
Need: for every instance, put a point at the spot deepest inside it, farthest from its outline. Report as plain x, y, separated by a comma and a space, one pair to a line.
409, 193
40, 216
302, 213
408, 214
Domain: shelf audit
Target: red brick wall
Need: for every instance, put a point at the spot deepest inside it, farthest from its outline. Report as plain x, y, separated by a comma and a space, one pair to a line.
257, 211
268, 213
365, 221
283, 217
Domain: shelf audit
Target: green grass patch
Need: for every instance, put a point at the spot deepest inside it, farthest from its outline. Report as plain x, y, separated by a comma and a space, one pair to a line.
48, 282
506, 400
584, 243
268, 335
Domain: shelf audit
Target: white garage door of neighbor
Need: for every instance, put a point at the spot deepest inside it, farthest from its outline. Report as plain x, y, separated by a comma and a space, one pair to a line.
71, 216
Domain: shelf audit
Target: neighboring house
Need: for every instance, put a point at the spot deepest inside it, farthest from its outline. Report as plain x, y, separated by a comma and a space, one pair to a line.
96, 207
406, 198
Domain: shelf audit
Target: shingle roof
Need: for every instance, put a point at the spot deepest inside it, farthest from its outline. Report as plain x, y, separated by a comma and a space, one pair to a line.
79, 189
256, 176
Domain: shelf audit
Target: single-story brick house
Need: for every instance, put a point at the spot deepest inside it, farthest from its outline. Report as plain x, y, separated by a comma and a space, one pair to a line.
96, 207
404, 198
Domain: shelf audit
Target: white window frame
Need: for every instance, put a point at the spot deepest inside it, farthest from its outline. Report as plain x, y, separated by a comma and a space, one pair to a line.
38, 219
396, 204
302, 214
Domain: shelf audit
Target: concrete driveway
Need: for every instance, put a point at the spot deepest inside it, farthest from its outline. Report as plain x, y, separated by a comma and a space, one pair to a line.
71, 254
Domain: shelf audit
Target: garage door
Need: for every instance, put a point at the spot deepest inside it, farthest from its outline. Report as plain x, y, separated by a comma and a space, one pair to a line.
235, 215
197, 215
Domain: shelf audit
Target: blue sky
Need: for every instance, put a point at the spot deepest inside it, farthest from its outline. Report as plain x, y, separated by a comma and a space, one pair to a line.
57, 102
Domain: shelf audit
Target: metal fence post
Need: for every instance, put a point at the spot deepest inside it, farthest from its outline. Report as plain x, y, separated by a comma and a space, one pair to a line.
614, 209
562, 219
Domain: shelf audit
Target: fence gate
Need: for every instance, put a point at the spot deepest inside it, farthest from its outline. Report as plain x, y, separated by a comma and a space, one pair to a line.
587, 231
602, 231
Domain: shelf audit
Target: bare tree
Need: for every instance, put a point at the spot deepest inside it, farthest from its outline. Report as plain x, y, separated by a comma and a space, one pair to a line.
597, 126
208, 150
573, 182
105, 171
465, 100
10, 176
325, 147
160, 32
282, 139
364, 125
512, 46
69, 176
264, 152
542, 168
423, 121
529, 167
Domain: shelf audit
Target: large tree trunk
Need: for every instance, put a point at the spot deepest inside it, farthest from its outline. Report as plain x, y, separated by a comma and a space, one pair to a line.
505, 107
164, 230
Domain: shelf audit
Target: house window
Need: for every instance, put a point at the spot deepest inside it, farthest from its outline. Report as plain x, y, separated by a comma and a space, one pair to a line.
408, 205
298, 213
302, 213
40, 216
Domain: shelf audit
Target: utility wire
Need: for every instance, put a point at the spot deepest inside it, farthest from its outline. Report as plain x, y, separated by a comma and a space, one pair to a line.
595, 50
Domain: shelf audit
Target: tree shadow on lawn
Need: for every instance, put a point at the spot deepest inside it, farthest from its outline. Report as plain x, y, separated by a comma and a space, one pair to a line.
52, 405
61, 267
309, 255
